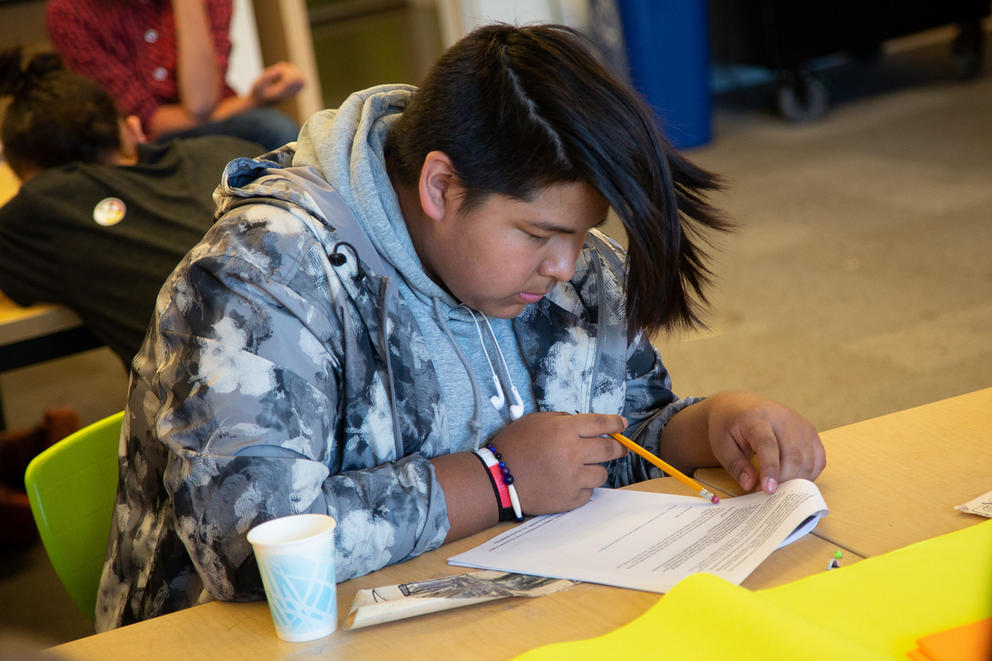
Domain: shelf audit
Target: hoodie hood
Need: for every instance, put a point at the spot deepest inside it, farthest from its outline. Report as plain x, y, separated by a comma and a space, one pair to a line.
346, 146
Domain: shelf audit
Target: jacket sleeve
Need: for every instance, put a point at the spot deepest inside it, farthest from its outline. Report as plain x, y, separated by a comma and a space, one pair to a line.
243, 389
648, 402
649, 405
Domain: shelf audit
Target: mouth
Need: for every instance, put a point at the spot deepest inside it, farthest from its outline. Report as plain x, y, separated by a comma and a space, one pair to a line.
528, 297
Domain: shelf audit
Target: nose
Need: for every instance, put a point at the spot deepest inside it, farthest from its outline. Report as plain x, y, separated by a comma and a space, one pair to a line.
560, 262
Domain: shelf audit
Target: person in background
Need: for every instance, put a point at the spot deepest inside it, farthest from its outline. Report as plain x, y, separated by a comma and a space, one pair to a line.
101, 217
165, 62
100, 220
413, 290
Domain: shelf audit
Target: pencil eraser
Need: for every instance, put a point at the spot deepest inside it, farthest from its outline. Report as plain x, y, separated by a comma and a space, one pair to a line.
715, 499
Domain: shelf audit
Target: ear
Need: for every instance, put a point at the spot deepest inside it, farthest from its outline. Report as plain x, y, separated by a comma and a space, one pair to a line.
437, 184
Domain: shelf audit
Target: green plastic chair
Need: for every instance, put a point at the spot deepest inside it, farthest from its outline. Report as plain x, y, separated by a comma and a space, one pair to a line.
71, 487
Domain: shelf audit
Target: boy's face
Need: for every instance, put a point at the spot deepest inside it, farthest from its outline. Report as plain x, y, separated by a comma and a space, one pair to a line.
505, 253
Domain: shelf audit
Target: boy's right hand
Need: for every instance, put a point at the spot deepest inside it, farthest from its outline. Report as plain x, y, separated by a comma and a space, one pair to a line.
557, 458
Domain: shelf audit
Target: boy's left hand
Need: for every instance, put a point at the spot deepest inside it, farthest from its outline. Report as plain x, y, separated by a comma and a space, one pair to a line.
742, 425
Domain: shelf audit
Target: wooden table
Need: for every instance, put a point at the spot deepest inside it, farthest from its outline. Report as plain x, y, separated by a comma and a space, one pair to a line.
39, 332
865, 514
220, 630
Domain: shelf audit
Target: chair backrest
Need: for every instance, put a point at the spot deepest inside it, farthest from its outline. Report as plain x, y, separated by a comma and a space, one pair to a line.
71, 487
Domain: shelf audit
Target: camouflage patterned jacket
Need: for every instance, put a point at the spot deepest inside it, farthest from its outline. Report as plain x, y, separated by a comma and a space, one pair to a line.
282, 374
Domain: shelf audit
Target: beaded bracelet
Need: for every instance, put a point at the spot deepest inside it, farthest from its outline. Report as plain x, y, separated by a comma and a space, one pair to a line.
502, 481
496, 480
508, 481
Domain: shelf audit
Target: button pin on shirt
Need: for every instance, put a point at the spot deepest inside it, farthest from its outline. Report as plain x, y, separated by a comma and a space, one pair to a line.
159, 73
151, 35
109, 211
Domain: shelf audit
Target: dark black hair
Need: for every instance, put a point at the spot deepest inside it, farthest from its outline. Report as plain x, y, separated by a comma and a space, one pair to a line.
55, 116
519, 108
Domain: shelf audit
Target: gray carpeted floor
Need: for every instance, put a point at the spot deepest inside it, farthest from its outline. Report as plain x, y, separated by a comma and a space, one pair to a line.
858, 283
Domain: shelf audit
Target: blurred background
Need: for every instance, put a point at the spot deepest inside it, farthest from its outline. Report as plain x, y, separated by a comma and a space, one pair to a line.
855, 142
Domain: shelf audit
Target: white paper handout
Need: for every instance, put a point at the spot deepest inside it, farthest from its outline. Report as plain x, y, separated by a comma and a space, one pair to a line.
651, 541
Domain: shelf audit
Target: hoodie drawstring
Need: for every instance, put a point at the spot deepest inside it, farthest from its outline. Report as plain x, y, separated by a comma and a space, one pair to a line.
475, 424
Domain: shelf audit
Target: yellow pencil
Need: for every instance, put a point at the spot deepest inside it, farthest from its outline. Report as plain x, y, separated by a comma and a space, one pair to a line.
671, 470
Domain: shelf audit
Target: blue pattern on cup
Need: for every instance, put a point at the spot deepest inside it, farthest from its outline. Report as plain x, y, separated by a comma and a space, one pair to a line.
302, 595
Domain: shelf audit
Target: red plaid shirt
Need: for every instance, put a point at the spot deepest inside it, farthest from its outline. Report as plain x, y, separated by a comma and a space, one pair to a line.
129, 47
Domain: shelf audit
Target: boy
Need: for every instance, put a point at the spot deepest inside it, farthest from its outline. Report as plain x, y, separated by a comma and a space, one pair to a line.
415, 290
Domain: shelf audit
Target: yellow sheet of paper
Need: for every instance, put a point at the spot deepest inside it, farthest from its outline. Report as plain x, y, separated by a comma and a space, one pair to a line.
874, 609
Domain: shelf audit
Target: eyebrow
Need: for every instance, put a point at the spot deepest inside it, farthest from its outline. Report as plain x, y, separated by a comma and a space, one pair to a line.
551, 227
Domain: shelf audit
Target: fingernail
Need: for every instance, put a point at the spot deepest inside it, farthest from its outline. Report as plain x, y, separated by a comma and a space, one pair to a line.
770, 484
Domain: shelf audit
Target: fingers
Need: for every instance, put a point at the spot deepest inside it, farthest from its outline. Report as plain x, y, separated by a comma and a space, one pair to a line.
279, 70
278, 81
269, 75
763, 442
801, 452
592, 476
598, 424
784, 447
593, 428
736, 457
820, 459
285, 73
816, 458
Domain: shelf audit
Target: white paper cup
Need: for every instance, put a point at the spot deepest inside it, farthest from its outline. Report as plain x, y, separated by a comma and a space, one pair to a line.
296, 559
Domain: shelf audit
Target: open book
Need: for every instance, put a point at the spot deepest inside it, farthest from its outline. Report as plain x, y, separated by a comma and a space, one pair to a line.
651, 541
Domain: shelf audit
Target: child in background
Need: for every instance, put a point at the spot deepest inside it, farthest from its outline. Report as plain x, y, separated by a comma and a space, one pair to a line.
101, 217
414, 288
165, 62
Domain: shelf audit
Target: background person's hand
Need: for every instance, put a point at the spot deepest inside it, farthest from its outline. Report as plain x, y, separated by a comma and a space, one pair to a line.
276, 83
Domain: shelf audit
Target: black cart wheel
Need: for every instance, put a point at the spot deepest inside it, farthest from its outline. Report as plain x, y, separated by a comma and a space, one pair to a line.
802, 97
